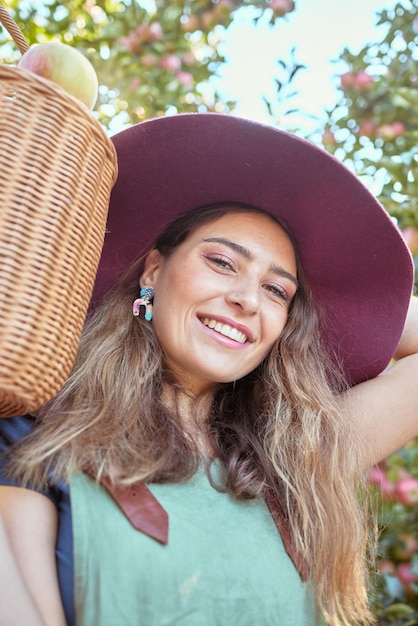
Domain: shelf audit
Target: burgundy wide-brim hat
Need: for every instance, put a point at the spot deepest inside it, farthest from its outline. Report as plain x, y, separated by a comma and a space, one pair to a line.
356, 263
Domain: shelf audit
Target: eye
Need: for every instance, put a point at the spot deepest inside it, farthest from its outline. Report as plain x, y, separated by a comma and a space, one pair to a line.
220, 261
278, 292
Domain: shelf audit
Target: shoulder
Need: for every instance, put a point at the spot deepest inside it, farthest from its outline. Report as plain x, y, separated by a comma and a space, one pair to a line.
12, 431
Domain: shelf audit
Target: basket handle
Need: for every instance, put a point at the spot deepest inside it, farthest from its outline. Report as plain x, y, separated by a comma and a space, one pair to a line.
13, 30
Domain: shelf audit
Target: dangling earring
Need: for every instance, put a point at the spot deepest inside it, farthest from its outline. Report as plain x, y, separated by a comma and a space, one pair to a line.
145, 296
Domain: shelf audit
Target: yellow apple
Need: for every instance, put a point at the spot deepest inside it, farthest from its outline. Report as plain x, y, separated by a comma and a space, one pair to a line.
410, 234
65, 66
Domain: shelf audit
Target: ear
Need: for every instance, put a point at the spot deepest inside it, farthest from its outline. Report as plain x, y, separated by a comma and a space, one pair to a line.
153, 263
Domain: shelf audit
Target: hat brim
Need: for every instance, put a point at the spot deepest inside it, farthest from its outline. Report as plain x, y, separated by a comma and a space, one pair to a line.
356, 263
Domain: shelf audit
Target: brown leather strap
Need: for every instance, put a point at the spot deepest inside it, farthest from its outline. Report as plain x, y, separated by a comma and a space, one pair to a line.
142, 509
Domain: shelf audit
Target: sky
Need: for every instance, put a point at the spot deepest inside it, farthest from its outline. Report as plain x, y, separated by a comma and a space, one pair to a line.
319, 30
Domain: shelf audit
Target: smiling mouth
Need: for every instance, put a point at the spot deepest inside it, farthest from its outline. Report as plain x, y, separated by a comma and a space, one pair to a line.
225, 329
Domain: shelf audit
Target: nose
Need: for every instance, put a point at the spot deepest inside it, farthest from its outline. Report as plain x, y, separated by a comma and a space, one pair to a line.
245, 296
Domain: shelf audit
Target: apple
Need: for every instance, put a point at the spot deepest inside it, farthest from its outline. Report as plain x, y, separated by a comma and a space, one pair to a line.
208, 20
347, 80
360, 81
391, 131
398, 128
66, 67
171, 62
185, 78
281, 7
406, 491
377, 476
190, 24
131, 42
328, 138
367, 128
223, 11
149, 32
405, 546
410, 234
386, 566
406, 576
363, 81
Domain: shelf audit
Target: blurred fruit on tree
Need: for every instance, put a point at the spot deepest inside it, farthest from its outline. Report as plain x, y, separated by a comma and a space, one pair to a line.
152, 57
374, 125
394, 485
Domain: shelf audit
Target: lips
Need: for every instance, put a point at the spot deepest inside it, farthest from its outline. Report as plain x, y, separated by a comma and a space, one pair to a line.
225, 329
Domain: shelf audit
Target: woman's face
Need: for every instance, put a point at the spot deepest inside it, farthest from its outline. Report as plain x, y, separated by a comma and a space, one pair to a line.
222, 298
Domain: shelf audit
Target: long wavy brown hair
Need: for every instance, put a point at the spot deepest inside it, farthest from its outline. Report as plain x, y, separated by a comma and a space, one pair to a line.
280, 431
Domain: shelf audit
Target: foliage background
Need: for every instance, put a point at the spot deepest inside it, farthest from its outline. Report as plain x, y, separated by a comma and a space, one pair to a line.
154, 57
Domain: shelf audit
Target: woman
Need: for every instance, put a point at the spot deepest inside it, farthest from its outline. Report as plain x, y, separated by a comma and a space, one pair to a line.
204, 462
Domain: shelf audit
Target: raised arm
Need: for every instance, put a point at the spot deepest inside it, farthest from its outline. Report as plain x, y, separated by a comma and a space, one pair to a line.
385, 409
28, 577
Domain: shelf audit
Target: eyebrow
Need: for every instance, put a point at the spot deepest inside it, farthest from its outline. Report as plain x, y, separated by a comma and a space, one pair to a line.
244, 252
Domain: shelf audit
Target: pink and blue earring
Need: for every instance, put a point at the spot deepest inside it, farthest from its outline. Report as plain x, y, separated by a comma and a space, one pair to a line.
145, 296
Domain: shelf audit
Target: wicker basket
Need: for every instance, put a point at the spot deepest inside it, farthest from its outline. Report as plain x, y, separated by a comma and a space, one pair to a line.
57, 169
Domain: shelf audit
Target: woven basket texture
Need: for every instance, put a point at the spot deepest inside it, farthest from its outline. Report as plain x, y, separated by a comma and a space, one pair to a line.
57, 169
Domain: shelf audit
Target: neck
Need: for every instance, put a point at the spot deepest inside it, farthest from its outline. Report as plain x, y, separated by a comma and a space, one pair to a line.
193, 412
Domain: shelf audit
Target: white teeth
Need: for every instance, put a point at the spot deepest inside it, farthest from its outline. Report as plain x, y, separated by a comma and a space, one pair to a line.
224, 329
233, 334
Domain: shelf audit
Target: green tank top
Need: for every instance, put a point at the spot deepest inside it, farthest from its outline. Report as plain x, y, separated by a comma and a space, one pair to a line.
224, 564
